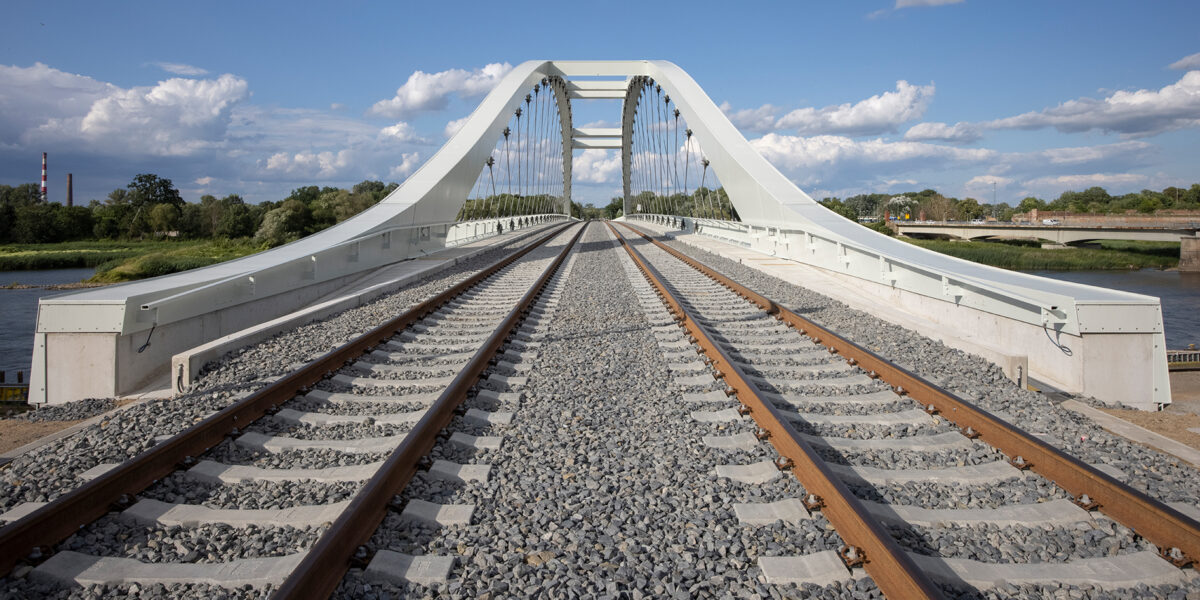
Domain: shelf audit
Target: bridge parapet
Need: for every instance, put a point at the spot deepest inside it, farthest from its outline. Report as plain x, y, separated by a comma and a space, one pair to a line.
1082, 339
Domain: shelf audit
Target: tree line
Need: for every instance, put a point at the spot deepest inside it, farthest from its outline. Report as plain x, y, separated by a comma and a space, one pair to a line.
934, 206
151, 207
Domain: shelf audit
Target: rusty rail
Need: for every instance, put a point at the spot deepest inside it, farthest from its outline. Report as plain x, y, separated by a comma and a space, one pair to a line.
36, 533
318, 575
891, 568
1176, 535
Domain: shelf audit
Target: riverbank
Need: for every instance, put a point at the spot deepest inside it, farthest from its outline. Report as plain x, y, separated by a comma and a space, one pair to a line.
1030, 256
122, 261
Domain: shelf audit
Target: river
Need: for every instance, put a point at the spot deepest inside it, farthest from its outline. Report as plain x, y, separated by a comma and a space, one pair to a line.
1180, 293
18, 314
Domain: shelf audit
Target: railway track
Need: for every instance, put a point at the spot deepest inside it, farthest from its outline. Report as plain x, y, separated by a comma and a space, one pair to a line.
563, 426
787, 373
351, 426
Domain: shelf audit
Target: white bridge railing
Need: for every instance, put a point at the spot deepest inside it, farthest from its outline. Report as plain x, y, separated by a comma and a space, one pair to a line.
376, 249
1045, 310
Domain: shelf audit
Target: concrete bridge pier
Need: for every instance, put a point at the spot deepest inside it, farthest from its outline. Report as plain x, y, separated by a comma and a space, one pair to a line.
1189, 254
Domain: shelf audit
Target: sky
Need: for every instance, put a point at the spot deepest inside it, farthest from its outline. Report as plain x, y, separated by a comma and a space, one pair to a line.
979, 98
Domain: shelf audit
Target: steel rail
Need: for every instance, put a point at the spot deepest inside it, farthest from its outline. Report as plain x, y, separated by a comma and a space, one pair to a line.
326, 563
33, 536
1176, 535
868, 543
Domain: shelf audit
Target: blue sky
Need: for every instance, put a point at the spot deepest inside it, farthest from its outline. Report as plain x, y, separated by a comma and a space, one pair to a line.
258, 98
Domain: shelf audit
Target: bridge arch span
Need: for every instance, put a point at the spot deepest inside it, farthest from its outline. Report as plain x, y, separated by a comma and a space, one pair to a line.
1082, 339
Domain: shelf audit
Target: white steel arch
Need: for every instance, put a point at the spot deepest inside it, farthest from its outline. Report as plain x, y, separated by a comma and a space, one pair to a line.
107, 326
1101, 342
1106, 343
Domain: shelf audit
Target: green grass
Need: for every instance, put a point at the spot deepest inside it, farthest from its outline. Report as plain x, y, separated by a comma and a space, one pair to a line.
71, 255
1026, 257
179, 257
124, 261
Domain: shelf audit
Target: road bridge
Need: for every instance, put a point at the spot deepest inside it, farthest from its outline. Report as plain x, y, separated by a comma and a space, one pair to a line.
1055, 234
685, 169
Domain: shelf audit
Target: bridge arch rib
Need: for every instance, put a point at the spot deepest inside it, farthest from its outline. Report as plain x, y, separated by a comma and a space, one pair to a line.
180, 311
1065, 329
1074, 337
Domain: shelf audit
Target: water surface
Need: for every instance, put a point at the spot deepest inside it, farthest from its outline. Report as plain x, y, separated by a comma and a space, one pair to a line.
18, 313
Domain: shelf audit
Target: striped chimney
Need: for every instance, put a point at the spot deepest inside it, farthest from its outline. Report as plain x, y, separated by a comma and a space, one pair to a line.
43, 177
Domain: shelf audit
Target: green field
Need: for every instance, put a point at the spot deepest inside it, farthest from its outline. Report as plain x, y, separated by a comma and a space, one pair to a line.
124, 261
1030, 256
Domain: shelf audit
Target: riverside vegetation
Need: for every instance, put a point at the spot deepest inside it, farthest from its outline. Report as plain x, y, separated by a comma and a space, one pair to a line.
146, 229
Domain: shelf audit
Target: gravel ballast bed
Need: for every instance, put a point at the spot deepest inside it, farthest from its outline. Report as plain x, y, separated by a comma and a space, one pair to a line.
44, 474
974, 379
604, 470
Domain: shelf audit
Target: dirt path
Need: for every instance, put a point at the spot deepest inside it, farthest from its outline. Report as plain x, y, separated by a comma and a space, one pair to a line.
15, 433
1176, 420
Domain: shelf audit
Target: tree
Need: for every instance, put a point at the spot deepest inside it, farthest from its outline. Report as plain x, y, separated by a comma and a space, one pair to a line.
1030, 203
615, 208
163, 218
191, 221
36, 224
837, 206
237, 221
152, 189
969, 208
275, 228
74, 222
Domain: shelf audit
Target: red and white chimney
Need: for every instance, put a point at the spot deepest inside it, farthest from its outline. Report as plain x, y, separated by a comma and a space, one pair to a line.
44, 177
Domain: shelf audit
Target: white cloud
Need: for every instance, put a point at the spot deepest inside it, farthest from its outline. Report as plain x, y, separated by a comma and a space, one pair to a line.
453, 126
823, 151
181, 69
959, 133
758, 120
601, 124
204, 180
431, 91
311, 164
982, 182
1133, 114
878, 114
911, 3
1080, 182
409, 163
1123, 152
34, 95
401, 132
596, 166
337, 106
1190, 62
176, 117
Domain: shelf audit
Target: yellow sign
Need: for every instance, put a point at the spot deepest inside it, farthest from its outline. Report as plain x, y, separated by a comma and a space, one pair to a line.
14, 393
